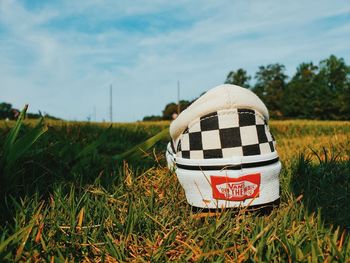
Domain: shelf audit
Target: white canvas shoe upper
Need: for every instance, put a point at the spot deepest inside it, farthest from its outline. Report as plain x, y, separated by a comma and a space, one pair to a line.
223, 152
221, 97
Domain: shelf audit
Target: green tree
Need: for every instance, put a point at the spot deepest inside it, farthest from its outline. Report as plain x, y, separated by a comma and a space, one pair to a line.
172, 108
239, 77
270, 85
299, 97
5, 110
152, 118
335, 78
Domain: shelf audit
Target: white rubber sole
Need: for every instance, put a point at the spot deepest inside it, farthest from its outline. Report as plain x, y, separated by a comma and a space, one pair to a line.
238, 184
199, 189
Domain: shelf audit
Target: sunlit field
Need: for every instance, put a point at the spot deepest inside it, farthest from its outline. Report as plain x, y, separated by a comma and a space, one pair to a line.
69, 197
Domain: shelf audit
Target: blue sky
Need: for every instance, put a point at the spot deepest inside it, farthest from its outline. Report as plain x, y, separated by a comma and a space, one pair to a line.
61, 57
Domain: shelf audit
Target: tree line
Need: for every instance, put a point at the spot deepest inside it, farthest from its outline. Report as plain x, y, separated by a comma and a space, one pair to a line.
7, 112
319, 91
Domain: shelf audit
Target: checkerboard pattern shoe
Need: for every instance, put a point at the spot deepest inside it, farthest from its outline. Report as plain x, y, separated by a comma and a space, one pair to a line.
223, 152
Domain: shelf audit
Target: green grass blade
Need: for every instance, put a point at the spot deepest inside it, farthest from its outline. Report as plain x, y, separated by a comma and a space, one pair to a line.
24, 143
137, 150
16, 236
89, 149
10, 139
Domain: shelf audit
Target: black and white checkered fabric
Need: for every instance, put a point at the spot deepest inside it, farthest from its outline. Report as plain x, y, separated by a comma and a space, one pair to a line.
224, 134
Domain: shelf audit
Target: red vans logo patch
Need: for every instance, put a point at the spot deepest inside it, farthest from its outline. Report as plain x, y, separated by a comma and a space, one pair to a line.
235, 189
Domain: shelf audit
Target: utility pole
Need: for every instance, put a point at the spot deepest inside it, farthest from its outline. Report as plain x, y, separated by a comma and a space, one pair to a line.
111, 104
94, 113
178, 97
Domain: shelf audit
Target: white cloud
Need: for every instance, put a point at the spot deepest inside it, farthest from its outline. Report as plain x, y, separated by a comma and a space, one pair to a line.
66, 71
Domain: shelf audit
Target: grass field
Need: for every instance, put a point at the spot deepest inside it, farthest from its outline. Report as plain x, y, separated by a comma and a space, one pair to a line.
66, 198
